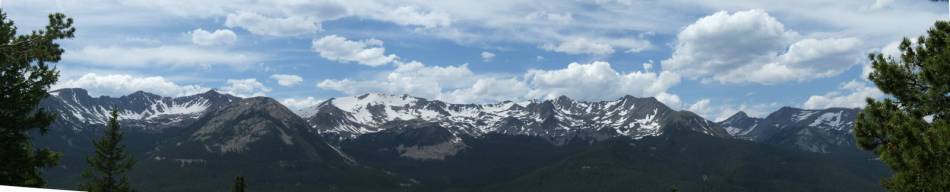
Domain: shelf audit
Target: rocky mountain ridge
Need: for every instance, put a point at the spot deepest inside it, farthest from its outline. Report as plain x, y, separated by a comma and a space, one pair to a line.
558, 120
815, 130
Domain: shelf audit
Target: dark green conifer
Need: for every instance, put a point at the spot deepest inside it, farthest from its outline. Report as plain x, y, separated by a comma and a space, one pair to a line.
25, 77
238, 184
909, 130
107, 168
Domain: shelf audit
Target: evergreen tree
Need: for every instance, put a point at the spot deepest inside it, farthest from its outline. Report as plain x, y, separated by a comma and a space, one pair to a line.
238, 184
25, 76
910, 131
107, 169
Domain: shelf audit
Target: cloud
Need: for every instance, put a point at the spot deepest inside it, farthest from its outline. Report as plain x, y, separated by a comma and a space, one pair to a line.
174, 56
268, 26
596, 81
414, 16
412, 78
490, 89
593, 81
559, 19
218, 37
580, 46
323, 10
722, 111
701, 107
366, 52
245, 88
648, 66
850, 95
300, 103
752, 46
123, 84
487, 56
598, 46
286, 80
878, 4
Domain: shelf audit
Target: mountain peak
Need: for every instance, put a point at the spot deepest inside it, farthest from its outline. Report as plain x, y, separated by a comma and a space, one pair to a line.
628, 97
142, 95
382, 95
740, 114
789, 108
635, 98
212, 92
259, 101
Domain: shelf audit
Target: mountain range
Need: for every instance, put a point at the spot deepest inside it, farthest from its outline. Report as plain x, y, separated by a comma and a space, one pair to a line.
380, 142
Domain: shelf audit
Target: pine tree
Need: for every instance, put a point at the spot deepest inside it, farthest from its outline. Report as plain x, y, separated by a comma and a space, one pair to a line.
25, 76
238, 184
107, 169
910, 131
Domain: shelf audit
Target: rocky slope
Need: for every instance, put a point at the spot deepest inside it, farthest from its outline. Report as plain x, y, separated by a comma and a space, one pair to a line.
558, 120
261, 138
823, 130
140, 110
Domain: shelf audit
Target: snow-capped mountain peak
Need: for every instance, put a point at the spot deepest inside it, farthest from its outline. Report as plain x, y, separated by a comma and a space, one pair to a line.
76, 107
740, 124
561, 118
816, 130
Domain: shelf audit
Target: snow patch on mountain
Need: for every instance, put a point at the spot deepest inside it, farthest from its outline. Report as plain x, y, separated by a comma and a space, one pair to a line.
560, 118
100, 114
77, 110
804, 114
829, 119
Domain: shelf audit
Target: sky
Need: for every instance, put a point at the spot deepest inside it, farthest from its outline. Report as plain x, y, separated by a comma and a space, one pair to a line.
713, 57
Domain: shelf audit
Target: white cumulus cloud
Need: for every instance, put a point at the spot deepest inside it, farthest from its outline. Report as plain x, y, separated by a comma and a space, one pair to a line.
718, 111
366, 52
752, 46
597, 81
123, 84
414, 16
287, 80
245, 88
850, 95
412, 78
300, 103
487, 56
218, 37
593, 81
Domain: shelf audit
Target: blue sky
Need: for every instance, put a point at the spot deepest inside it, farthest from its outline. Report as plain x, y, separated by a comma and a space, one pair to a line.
710, 57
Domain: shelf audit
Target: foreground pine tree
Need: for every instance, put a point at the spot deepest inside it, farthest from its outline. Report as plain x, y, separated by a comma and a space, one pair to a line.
107, 169
25, 77
910, 132
238, 184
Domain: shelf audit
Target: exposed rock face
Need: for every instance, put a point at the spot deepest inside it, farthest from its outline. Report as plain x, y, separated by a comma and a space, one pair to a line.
821, 130
432, 152
258, 127
139, 110
740, 125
